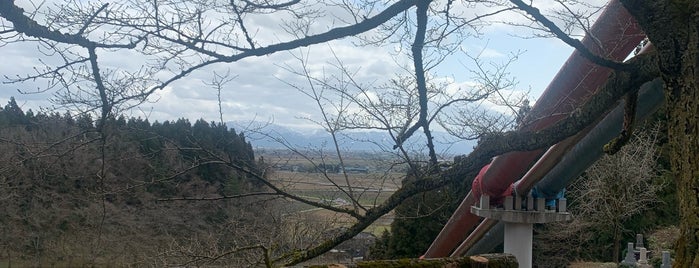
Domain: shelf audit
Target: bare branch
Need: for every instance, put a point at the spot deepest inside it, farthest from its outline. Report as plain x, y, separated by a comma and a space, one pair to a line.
89, 20
216, 198
28, 26
421, 83
333, 34
272, 6
540, 18
239, 18
106, 104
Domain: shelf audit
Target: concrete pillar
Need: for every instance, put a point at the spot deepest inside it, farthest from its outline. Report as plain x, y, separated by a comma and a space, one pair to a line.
562, 205
485, 202
509, 203
518, 242
530, 203
540, 204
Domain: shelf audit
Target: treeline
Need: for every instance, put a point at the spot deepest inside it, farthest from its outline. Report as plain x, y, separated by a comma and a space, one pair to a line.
69, 185
203, 147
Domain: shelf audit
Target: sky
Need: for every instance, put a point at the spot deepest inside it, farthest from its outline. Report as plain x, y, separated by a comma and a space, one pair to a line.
261, 91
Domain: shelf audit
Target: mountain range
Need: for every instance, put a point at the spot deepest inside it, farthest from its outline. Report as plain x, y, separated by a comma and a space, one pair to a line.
274, 136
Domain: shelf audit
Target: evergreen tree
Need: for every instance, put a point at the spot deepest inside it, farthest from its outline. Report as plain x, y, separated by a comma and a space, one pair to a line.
13, 114
417, 222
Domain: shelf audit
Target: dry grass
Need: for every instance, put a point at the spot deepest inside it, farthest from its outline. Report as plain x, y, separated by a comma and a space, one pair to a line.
664, 238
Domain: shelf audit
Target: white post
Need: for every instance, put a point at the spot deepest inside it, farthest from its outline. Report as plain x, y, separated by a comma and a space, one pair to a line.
518, 242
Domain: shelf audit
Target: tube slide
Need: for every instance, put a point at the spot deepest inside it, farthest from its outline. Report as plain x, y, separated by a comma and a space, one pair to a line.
615, 35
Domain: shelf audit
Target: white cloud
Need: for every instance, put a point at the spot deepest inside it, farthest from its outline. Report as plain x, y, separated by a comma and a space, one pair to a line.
457, 87
482, 51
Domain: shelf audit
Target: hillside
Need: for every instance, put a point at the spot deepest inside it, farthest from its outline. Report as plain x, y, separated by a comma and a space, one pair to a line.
77, 192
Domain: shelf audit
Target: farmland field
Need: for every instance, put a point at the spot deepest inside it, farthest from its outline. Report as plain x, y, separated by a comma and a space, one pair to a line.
367, 183
316, 177
332, 188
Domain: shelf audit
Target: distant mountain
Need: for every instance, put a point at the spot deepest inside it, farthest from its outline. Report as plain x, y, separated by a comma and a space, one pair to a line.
272, 136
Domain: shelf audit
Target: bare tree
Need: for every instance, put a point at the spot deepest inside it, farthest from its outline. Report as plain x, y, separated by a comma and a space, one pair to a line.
614, 189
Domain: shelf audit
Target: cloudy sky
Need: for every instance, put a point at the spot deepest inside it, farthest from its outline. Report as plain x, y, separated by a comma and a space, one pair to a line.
260, 88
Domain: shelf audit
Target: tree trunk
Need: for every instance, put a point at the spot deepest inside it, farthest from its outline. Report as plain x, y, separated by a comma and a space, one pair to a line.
683, 134
673, 28
478, 261
616, 253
